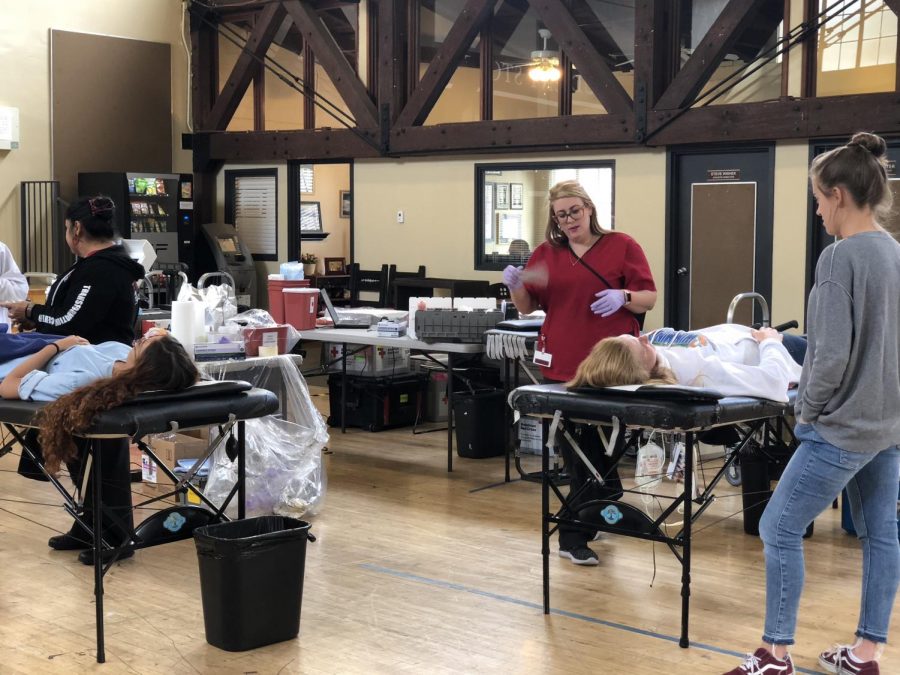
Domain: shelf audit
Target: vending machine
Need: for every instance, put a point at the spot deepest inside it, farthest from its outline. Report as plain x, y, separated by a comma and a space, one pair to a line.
157, 207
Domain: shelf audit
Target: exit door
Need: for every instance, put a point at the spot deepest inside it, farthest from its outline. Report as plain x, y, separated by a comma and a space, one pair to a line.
719, 233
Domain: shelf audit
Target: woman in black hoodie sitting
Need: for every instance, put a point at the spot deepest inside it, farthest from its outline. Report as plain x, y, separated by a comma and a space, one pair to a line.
95, 298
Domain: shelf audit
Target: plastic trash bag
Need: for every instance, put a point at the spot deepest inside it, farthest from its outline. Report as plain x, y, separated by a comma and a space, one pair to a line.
220, 304
284, 472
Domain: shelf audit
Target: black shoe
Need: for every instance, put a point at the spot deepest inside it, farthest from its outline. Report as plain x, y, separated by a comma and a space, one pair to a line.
69, 542
87, 557
580, 555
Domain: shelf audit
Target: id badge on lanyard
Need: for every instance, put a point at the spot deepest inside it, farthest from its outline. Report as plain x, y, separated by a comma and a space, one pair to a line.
541, 356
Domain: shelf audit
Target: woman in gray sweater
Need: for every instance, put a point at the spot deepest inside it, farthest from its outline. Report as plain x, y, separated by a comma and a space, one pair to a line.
848, 413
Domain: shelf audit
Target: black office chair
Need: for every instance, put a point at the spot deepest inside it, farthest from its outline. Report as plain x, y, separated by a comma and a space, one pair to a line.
499, 291
393, 275
368, 281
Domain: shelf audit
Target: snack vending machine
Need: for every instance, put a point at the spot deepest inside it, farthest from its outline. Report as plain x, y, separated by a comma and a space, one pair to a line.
157, 207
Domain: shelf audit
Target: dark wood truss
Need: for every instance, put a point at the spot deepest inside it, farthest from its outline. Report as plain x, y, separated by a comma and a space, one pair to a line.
388, 113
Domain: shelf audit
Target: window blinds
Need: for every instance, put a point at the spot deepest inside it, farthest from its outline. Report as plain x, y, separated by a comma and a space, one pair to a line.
256, 213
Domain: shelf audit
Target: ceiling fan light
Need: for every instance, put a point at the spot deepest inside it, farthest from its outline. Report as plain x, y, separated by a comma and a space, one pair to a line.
544, 72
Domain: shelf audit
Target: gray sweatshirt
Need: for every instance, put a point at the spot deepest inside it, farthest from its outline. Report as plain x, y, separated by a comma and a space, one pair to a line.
850, 386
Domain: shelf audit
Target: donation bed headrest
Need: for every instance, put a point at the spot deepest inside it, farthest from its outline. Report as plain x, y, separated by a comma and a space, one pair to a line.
202, 404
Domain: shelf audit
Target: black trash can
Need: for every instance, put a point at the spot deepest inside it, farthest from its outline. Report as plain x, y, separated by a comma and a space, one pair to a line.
756, 488
251, 580
479, 419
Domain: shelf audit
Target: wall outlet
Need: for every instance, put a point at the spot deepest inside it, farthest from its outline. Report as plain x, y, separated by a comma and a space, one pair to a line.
400, 217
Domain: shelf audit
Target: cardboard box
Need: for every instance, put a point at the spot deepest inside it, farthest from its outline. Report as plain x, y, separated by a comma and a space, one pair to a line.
275, 336
201, 433
169, 448
377, 361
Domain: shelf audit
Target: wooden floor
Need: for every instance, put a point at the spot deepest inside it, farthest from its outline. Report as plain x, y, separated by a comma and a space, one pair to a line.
419, 571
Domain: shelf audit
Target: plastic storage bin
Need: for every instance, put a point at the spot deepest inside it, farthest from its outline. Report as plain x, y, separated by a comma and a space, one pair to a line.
375, 403
251, 580
451, 325
479, 419
300, 307
276, 297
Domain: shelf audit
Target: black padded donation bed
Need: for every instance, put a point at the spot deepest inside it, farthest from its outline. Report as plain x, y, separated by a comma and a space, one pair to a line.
680, 410
223, 403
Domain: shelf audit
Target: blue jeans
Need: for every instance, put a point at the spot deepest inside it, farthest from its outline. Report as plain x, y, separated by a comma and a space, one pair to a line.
811, 481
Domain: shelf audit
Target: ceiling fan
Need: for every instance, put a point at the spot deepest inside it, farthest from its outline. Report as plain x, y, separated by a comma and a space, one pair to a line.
544, 63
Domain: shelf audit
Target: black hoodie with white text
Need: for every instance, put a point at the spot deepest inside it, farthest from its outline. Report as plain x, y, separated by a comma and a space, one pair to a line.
94, 299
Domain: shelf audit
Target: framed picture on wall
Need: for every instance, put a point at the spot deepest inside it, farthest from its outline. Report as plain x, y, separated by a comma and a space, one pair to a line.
501, 198
516, 195
345, 203
509, 227
310, 217
335, 266
488, 212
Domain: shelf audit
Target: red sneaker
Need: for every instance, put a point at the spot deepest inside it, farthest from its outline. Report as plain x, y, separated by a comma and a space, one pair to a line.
840, 660
763, 662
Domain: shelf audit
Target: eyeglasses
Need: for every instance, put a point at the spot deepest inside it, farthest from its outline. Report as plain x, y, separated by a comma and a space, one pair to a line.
572, 214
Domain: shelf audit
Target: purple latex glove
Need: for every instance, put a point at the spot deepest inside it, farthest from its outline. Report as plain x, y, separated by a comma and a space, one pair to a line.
512, 277
608, 302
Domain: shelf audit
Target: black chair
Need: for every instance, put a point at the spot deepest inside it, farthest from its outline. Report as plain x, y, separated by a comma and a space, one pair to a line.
499, 291
393, 275
368, 281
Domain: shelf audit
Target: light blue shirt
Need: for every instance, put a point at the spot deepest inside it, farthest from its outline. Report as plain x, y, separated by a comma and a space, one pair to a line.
68, 371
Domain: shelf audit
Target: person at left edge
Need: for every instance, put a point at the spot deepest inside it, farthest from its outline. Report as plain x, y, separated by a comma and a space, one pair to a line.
13, 284
95, 297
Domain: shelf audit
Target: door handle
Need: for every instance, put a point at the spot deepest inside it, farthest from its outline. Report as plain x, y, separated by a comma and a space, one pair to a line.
681, 271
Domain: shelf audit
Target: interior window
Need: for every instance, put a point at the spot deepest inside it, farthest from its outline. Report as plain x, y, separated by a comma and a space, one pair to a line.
513, 212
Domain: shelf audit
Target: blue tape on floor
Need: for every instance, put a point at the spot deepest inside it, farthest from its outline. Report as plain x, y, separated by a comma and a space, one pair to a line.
559, 612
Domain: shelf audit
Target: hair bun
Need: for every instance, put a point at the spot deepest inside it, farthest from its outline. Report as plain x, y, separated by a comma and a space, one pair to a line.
102, 207
871, 142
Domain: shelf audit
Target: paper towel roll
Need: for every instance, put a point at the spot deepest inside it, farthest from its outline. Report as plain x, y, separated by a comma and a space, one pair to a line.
199, 318
183, 325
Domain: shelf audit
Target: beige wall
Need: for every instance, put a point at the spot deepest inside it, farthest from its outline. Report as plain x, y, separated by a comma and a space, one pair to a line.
24, 79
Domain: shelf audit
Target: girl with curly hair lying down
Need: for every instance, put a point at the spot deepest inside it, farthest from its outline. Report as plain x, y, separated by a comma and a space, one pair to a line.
82, 380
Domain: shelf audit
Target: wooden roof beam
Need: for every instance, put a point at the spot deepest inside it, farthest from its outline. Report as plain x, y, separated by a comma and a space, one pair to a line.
270, 146
651, 43
444, 63
270, 19
591, 65
775, 120
329, 54
504, 136
724, 32
204, 68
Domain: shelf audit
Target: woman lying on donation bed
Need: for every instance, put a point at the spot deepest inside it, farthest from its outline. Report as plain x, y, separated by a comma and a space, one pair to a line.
83, 380
732, 359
